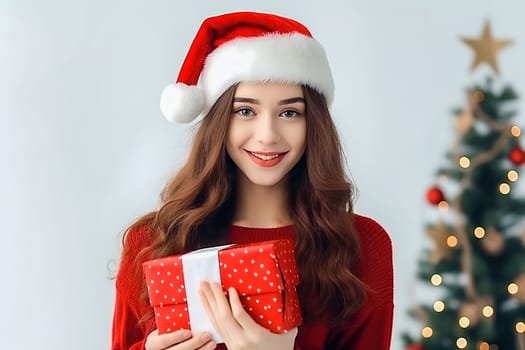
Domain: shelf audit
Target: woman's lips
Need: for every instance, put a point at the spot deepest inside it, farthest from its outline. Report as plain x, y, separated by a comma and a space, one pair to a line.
266, 159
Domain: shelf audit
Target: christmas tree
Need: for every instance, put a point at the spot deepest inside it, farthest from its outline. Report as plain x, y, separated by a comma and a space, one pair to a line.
476, 264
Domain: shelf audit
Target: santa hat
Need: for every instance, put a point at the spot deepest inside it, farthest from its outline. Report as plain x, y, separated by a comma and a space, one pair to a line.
244, 46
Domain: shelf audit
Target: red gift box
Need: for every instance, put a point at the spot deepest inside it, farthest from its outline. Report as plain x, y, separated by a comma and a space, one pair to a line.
264, 274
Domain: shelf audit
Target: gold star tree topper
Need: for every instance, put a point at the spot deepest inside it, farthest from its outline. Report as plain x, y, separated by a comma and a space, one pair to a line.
485, 48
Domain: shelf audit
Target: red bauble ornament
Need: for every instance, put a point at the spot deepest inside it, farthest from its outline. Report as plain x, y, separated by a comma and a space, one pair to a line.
435, 195
415, 347
517, 156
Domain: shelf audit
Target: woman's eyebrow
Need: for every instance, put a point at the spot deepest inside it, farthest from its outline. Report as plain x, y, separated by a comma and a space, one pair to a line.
246, 99
292, 100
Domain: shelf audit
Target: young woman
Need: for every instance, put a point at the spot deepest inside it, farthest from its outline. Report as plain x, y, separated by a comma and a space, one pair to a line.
266, 163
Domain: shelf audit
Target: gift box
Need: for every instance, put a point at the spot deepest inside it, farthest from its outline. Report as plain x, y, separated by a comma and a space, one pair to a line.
264, 274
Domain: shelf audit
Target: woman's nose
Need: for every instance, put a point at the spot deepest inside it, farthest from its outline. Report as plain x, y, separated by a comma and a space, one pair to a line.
267, 131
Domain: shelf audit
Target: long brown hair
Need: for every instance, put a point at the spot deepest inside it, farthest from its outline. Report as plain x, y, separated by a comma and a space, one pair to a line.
197, 207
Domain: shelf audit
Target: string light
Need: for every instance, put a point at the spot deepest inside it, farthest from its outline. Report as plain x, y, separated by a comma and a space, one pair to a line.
452, 241
484, 346
436, 279
515, 131
512, 288
461, 343
520, 327
443, 205
487, 311
504, 188
512, 175
464, 162
439, 306
426, 332
464, 322
479, 232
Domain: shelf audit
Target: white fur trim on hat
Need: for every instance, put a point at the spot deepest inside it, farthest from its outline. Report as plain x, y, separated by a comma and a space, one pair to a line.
290, 58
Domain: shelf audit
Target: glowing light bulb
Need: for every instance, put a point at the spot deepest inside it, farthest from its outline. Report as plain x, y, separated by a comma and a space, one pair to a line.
461, 343
452, 241
436, 279
512, 288
520, 327
443, 205
484, 346
512, 175
426, 332
464, 322
464, 162
487, 311
439, 306
515, 131
504, 188
479, 232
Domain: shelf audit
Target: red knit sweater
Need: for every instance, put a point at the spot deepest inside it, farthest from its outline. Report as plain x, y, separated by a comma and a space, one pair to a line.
370, 329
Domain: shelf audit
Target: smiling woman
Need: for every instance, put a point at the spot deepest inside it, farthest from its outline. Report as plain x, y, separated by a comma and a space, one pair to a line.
266, 164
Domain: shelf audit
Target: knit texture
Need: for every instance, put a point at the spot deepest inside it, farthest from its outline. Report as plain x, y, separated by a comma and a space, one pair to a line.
371, 328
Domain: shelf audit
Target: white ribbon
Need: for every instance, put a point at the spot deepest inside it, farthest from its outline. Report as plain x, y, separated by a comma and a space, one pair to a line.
201, 265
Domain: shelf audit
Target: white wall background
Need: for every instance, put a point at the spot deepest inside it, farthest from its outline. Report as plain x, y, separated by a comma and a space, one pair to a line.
84, 149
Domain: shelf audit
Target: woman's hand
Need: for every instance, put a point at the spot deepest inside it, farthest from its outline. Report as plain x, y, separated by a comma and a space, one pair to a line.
179, 340
237, 328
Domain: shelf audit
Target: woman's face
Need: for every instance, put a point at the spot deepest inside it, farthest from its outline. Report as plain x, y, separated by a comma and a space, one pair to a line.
267, 132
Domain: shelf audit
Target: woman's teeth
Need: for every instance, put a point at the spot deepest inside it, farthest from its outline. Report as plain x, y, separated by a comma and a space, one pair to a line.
264, 157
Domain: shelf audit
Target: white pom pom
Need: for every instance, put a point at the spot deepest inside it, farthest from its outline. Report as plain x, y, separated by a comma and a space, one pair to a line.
181, 103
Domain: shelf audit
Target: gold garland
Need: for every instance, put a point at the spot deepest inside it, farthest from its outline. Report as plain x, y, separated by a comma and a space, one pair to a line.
474, 98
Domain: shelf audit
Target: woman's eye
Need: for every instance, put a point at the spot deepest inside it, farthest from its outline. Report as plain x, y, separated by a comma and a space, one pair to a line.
244, 112
289, 114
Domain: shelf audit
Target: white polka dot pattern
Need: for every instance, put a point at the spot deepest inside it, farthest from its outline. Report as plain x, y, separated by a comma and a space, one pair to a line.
264, 274
166, 293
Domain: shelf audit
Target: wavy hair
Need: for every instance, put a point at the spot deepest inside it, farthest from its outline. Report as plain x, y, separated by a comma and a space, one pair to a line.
197, 207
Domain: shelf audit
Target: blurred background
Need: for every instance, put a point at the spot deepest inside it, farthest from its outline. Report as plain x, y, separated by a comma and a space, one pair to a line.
85, 149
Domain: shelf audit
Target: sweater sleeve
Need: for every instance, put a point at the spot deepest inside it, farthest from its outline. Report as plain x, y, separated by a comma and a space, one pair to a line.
127, 332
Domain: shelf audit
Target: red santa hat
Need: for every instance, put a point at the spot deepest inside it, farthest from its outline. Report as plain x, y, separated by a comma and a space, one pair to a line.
244, 46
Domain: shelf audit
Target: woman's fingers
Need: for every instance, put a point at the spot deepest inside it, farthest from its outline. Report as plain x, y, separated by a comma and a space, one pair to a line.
179, 340
200, 341
208, 346
218, 308
206, 297
242, 317
235, 325
156, 341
